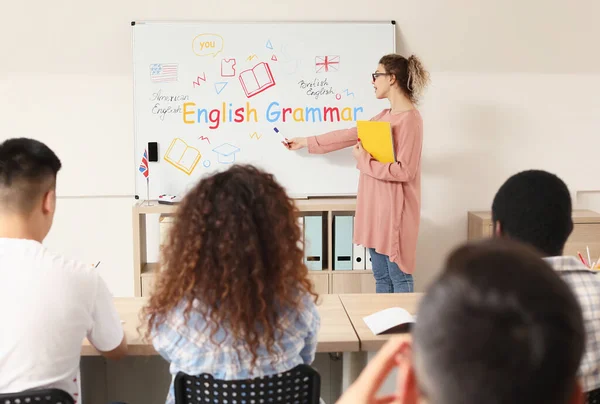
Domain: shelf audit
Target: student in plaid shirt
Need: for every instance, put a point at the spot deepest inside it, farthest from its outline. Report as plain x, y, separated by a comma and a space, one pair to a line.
535, 207
233, 298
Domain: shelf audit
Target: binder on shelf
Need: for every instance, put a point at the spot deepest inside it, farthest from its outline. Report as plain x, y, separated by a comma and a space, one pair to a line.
368, 263
301, 225
359, 256
313, 242
342, 243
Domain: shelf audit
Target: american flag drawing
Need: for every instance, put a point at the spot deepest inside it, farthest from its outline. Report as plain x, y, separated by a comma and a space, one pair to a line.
163, 72
144, 165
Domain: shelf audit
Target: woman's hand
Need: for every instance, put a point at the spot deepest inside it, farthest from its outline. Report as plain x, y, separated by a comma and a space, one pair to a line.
357, 150
296, 143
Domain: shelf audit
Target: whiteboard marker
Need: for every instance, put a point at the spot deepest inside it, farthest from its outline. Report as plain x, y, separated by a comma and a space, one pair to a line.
284, 139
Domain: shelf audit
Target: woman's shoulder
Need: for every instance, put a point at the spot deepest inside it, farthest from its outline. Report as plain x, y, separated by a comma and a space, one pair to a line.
380, 115
408, 119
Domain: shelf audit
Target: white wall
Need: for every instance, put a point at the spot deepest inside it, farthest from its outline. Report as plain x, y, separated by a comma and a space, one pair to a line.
515, 86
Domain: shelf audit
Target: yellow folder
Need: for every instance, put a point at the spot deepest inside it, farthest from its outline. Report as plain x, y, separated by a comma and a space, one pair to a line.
376, 138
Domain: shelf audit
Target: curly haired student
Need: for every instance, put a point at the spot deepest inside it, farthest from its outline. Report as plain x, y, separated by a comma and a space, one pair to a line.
233, 298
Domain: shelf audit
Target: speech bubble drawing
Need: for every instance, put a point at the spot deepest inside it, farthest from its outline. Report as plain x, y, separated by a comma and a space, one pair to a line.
207, 44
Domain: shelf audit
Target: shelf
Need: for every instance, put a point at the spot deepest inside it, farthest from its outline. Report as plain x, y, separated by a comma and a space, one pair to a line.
325, 281
304, 205
325, 205
141, 208
150, 268
578, 215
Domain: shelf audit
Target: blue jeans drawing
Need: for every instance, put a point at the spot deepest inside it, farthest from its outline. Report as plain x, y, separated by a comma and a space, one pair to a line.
389, 278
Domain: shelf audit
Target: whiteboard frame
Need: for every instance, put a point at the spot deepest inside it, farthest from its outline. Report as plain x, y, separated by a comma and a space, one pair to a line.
135, 22
159, 22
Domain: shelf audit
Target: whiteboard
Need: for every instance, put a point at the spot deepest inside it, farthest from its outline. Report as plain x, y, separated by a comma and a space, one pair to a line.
216, 94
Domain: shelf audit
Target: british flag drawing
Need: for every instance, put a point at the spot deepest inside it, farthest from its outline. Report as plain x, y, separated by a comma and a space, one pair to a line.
326, 64
144, 165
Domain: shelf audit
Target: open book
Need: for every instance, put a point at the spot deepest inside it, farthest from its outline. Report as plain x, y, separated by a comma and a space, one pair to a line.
182, 156
392, 320
257, 79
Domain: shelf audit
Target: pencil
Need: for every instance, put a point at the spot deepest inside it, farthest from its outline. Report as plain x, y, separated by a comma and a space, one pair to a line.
588, 253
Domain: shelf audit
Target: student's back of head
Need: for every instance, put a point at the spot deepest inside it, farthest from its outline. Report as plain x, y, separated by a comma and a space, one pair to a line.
534, 207
28, 171
498, 327
233, 251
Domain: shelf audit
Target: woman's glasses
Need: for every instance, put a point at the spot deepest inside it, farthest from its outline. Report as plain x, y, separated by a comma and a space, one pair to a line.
377, 74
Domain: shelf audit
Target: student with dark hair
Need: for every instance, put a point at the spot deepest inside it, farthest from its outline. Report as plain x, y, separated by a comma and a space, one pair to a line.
534, 207
388, 207
48, 304
498, 326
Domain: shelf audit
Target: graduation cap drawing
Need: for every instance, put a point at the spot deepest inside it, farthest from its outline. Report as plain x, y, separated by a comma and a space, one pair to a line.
226, 153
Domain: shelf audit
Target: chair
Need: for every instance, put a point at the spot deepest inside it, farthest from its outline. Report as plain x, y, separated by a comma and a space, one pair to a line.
592, 397
47, 396
301, 385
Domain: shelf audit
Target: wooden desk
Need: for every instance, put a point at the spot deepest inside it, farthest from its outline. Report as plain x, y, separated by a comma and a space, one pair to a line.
361, 305
128, 309
335, 335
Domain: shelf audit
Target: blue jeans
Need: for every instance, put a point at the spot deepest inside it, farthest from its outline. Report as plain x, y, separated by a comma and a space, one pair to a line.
389, 278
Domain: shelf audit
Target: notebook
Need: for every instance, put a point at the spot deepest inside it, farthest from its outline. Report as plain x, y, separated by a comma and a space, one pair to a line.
394, 319
376, 138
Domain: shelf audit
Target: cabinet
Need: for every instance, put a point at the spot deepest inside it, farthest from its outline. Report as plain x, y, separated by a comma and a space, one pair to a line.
325, 280
586, 231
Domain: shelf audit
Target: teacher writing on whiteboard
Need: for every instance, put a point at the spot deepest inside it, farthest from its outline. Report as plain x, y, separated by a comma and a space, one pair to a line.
389, 194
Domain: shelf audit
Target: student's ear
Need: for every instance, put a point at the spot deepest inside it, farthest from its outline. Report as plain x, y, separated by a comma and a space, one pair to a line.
49, 202
407, 391
571, 226
578, 395
497, 229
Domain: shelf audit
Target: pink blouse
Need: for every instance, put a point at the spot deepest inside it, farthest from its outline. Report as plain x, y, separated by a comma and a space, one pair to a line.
388, 203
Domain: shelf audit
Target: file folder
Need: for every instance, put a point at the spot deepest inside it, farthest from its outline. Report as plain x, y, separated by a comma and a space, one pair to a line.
376, 138
342, 242
368, 262
313, 242
301, 225
359, 255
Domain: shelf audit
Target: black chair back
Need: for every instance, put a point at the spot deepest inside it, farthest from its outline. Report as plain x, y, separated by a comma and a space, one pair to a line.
47, 396
301, 385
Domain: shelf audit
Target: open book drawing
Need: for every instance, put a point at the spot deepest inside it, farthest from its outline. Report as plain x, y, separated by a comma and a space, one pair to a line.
182, 156
392, 320
256, 80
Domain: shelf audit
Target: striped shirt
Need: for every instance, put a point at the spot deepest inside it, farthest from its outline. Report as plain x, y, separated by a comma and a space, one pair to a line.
189, 349
585, 284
